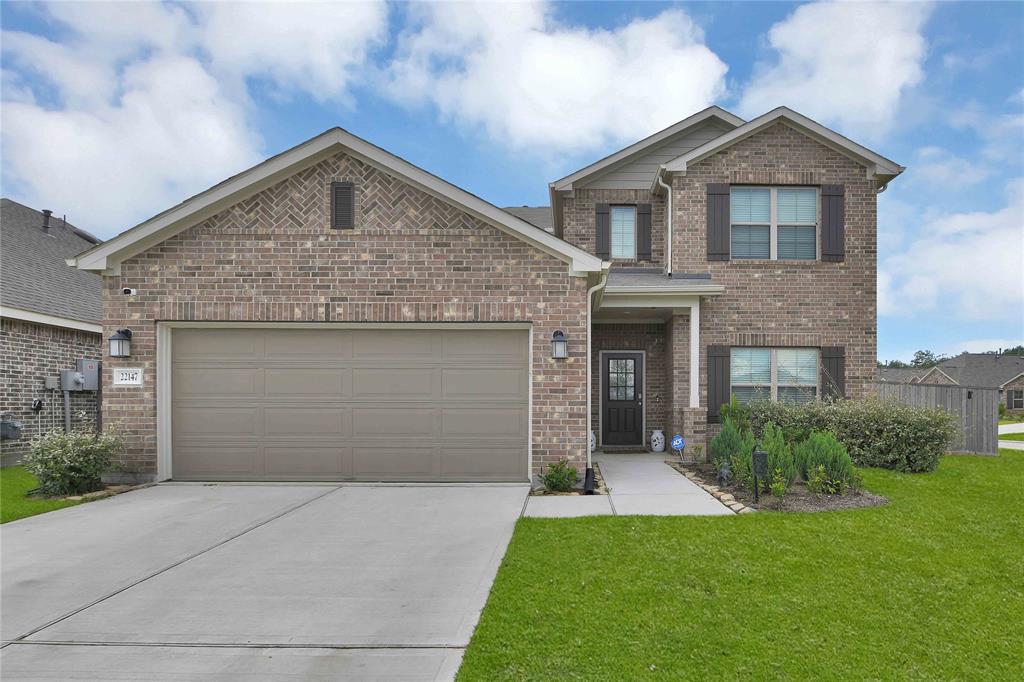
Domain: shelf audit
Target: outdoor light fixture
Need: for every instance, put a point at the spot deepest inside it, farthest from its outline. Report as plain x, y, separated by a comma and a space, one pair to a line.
121, 344
559, 345
760, 470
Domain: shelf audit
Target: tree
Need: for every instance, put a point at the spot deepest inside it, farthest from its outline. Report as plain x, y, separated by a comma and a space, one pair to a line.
924, 359
894, 364
1016, 350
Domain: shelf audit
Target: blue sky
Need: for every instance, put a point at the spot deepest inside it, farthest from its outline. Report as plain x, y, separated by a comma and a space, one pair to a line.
111, 113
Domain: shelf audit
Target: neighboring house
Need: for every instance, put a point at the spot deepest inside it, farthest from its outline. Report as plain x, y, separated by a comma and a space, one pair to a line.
983, 370
51, 318
338, 313
900, 375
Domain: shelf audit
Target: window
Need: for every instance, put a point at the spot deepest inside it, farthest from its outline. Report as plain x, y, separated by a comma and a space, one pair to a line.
786, 374
1016, 401
623, 221
770, 223
621, 380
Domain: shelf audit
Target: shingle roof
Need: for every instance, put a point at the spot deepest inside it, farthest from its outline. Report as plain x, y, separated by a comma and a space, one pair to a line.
651, 278
899, 375
983, 369
538, 216
33, 274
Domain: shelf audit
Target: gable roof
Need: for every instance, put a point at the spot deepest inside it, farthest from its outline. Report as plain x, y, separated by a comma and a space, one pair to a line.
878, 167
982, 369
36, 283
107, 257
900, 375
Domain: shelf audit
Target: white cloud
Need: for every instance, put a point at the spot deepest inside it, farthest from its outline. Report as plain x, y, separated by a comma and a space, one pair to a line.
845, 64
140, 105
968, 265
530, 82
1001, 134
941, 170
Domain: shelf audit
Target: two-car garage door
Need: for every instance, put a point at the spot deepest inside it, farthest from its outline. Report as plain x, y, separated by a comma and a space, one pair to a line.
385, 404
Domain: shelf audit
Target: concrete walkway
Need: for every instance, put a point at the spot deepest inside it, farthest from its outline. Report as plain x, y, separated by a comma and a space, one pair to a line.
199, 582
1011, 428
638, 484
1012, 444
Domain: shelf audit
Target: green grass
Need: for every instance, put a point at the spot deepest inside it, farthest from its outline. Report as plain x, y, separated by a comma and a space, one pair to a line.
1011, 436
1012, 419
15, 504
930, 586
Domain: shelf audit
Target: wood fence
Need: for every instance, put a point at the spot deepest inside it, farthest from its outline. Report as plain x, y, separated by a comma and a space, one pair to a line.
976, 410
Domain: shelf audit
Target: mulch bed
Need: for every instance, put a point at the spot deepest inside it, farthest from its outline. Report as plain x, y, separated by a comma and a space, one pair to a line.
599, 486
798, 497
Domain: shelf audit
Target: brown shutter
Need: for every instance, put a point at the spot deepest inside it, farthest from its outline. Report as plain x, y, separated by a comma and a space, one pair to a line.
343, 206
833, 372
643, 232
718, 221
604, 231
718, 381
833, 232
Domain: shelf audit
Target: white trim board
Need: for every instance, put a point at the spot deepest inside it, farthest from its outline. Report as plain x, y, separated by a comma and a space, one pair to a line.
107, 257
51, 320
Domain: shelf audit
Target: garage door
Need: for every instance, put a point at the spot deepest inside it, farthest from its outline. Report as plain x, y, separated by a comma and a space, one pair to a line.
367, 405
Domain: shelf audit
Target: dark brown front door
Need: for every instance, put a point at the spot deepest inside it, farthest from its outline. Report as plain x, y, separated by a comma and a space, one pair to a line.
622, 399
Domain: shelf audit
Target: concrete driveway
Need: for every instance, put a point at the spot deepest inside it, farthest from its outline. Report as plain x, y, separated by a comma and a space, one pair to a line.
265, 581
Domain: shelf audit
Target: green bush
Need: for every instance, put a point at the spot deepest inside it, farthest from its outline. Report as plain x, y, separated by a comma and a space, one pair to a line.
876, 433
778, 485
559, 477
727, 443
823, 449
1002, 410
737, 412
743, 465
71, 463
780, 455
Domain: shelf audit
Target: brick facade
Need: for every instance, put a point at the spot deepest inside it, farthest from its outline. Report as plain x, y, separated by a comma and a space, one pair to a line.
29, 352
579, 214
411, 258
1015, 385
766, 303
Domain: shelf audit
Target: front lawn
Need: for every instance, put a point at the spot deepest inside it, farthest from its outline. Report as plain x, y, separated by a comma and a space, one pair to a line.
15, 504
1011, 436
930, 586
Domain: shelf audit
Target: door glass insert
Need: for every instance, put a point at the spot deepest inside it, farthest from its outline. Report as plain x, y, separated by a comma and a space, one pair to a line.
621, 379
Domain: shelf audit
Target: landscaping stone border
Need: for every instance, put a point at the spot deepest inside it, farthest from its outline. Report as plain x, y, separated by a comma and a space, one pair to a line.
109, 491
725, 498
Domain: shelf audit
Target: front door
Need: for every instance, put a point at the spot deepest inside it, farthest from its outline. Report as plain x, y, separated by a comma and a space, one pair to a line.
622, 399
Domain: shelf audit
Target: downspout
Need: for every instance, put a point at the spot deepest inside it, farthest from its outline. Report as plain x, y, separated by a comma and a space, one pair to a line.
668, 222
588, 481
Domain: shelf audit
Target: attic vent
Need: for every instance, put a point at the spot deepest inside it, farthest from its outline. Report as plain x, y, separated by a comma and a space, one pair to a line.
343, 206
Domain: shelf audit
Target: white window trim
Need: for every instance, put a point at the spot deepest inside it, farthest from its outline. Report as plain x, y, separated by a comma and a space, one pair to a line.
773, 364
611, 231
773, 223
1013, 398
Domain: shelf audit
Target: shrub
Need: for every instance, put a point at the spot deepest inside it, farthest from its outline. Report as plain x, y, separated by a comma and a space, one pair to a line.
737, 412
71, 463
823, 449
743, 465
780, 455
559, 477
877, 433
778, 485
727, 443
1002, 410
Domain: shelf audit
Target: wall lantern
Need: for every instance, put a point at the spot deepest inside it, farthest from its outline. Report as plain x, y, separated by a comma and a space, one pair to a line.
760, 458
121, 344
559, 345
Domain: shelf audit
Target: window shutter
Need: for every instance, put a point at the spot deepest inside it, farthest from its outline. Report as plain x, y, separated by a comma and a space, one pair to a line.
718, 380
643, 232
604, 232
833, 232
343, 206
833, 371
718, 221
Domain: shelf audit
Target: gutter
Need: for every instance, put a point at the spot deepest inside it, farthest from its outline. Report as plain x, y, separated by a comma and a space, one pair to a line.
668, 220
588, 481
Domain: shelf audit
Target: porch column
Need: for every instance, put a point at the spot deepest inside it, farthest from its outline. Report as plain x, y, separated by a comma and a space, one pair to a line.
695, 353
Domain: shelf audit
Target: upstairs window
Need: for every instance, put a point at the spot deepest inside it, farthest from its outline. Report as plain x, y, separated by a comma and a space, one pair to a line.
785, 374
623, 232
771, 223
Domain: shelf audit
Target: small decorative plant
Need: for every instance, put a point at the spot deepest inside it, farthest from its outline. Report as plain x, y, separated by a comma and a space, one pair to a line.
71, 463
698, 453
559, 477
778, 485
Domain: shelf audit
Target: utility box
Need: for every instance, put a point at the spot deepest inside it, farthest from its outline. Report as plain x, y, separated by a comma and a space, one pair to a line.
10, 428
51, 383
90, 371
71, 380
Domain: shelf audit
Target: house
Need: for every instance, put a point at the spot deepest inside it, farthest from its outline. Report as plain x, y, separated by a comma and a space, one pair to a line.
983, 370
901, 375
51, 316
336, 312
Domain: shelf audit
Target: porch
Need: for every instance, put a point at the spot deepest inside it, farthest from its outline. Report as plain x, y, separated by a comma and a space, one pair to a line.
645, 359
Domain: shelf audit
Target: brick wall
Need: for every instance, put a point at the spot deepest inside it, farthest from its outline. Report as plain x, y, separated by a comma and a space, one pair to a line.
30, 352
411, 258
1015, 385
579, 216
657, 391
785, 303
